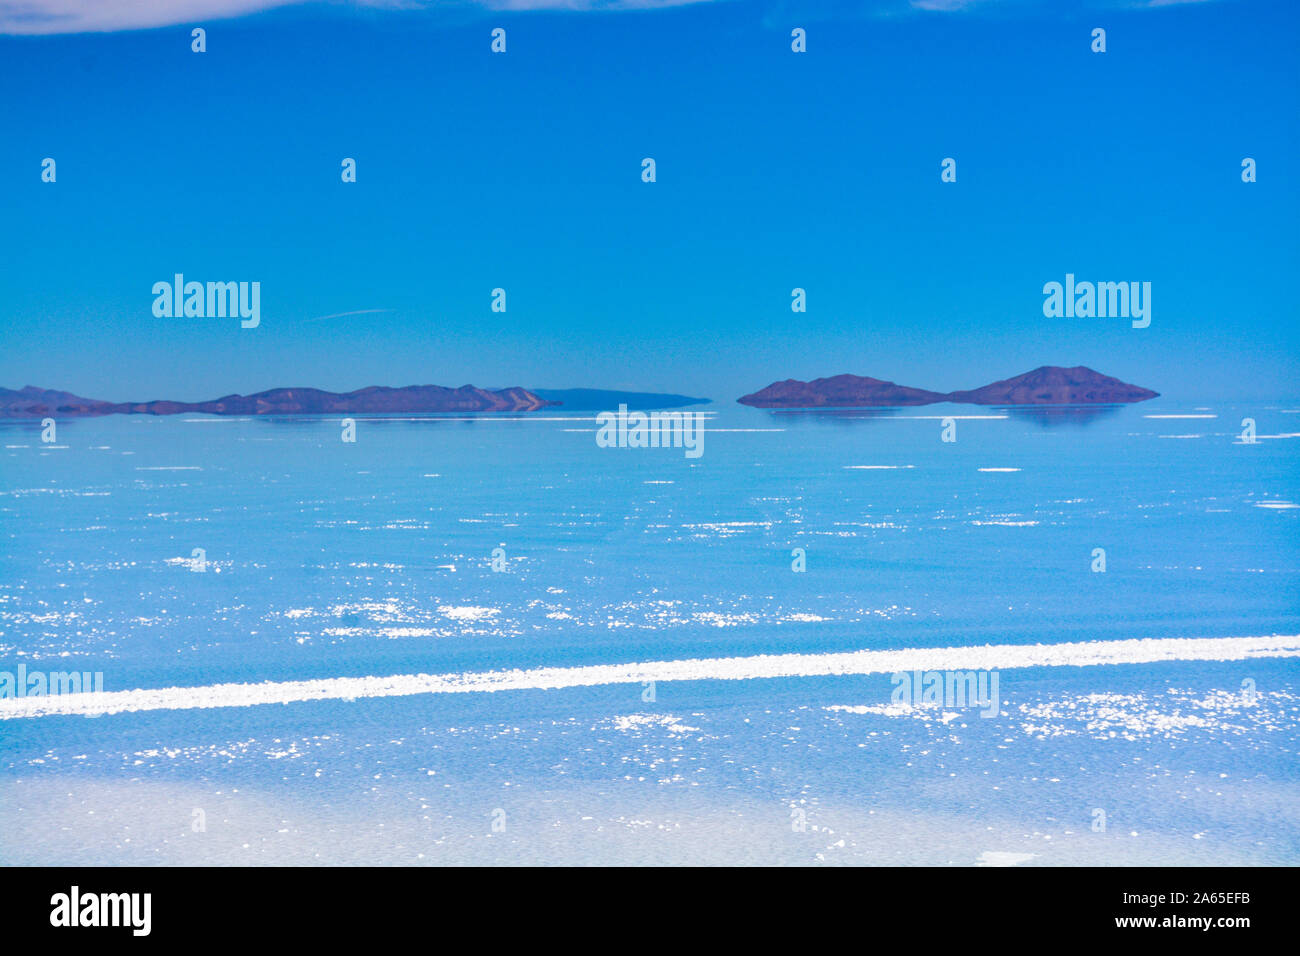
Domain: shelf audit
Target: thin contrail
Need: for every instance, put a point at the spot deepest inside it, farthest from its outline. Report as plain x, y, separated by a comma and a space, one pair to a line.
340, 315
765, 666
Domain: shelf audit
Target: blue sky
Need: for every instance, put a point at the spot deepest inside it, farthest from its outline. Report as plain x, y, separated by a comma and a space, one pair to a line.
522, 171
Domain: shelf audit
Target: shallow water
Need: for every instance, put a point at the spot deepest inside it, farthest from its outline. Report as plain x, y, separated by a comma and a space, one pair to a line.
325, 560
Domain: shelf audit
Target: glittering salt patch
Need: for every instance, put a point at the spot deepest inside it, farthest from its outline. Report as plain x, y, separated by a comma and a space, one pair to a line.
714, 619
213, 566
1280, 505
763, 666
1104, 716
639, 722
997, 469
804, 618
658, 482
19, 492
727, 527
377, 610
928, 712
468, 613
1002, 858
1007, 524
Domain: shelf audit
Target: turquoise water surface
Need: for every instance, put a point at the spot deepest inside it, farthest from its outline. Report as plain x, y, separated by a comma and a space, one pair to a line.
320, 559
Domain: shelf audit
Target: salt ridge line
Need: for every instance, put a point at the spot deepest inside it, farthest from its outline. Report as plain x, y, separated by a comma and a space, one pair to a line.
987, 657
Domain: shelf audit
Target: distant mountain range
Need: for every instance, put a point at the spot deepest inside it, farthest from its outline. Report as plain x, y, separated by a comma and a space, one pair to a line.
33, 402
1048, 385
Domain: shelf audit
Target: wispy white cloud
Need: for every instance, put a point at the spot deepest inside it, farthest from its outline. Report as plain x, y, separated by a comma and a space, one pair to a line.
944, 5
586, 5
954, 6
100, 16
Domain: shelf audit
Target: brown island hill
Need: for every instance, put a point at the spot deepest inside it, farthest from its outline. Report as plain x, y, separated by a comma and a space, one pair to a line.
1048, 385
32, 402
